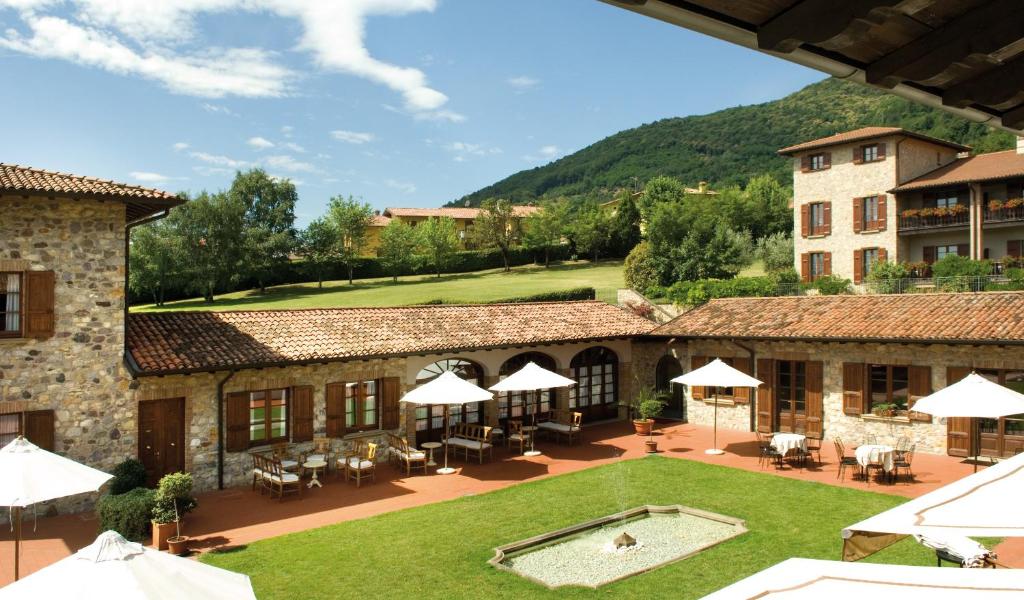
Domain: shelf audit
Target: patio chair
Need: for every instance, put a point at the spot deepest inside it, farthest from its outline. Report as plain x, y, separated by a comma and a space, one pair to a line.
903, 463
870, 440
814, 448
766, 452
571, 427
257, 471
901, 447
409, 456
360, 464
322, 450
282, 453
844, 460
517, 435
276, 478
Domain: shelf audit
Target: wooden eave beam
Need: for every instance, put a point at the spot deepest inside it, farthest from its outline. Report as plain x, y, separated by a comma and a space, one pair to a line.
1014, 118
992, 88
984, 30
814, 22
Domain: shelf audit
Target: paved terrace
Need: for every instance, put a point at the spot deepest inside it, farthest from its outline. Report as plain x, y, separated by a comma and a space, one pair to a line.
239, 516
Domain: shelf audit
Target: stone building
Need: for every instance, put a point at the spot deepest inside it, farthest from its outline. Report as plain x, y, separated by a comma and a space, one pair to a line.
464, 218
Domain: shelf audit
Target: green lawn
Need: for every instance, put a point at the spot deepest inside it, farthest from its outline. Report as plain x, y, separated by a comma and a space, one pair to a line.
481, 286
441, 550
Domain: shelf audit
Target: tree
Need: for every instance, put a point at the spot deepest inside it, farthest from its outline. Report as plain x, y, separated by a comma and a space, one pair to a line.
496, 226
269, 223
350, 219
154, 260
591, 230
211, 229
398, 245
776, 251
440, 240
666, 228
625, 226
640, 271
544, 229
319, 245
711, 252
767, 204
657, 190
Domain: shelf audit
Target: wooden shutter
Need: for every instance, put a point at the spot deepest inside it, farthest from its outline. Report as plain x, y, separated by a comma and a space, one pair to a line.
815, 382
919, 386
39, 428
805, 267
883, 255
858, 266
883, 222
335, 409
881, 150
963, 250
39, 288
805, 163
928, 254
237, 422
697, 391
826, 208
805, 220
958, 429
1013, 248
858, 215
389, 394
741, 394
302, 413
858, 155
853, 388
826, 159
827, 262
765, 395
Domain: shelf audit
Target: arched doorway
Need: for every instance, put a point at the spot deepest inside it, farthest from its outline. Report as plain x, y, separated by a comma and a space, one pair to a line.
522, 405
596, 393
430, 419
668, 369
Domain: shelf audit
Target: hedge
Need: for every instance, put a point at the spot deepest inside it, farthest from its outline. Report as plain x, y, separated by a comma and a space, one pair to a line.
128, 514
580, 293
128, 475
694, 293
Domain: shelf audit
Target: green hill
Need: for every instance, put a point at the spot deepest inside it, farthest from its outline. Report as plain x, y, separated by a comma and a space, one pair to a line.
730, 146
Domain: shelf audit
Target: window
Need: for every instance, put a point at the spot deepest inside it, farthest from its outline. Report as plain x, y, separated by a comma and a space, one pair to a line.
888, 385
817, 260
525, 404
361, 407
10, 428
791, 394
946, 200
268, 416
596, 373
817, 162
430, 424
869, 153
10, 304
870, 258
944, 251
817, 214
870, 212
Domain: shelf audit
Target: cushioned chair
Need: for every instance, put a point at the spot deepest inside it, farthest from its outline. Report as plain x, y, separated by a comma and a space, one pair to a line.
282, 453
570, 428
517, 436
322, 450
360, 464
408, 456
275, 478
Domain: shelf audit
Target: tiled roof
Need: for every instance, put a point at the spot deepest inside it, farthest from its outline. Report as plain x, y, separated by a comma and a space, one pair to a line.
141, 201
988, 317
983, 167
866, 133
455, 213
380, 221
160, 343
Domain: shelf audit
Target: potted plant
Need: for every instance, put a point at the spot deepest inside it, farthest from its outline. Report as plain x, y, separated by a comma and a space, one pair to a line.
884, 410
995, 205
910, 212
648, 404
173, 500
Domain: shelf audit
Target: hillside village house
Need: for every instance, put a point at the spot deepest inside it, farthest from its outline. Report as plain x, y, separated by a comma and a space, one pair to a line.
464, 218
882, 193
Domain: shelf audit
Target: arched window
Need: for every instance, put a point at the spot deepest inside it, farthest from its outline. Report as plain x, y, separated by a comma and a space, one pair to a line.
524, 405
596, 393
430, 419
668, 369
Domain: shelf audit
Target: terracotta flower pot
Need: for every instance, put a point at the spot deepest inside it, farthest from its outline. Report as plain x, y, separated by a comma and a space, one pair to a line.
643, 426
652, 446
178, 544
162, 531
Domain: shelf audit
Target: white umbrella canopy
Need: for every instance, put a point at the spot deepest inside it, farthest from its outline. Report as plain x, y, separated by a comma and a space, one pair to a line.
532, 377
112, 567
31, 474
447, 389
972, 396
717, 374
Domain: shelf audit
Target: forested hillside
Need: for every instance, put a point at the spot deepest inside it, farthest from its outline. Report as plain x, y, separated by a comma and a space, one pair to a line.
731, 146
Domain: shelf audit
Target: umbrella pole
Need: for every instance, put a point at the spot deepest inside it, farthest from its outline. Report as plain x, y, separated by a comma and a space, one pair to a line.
16, 515
714, 435
447, 434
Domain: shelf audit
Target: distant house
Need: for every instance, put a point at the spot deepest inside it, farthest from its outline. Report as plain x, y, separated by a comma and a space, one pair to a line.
464, 218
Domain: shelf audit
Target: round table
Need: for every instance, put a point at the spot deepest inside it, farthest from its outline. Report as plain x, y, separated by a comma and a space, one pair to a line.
429, 446
876, 454
313, 465
532, 430
784, 443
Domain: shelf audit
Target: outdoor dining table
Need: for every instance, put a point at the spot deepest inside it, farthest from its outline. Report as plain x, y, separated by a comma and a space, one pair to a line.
876, 454
784, 443
314, 465
429, 446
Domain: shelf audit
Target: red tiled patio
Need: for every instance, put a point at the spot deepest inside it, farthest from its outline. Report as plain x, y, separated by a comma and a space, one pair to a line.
239, 516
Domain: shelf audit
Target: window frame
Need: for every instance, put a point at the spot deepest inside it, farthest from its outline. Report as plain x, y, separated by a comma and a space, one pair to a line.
267, 417
20, 332
864, 153
869, 207
816, 226
867, 264
816, 162
359, 422
942, 251
585, 360
815, 258
890, 398
20, 429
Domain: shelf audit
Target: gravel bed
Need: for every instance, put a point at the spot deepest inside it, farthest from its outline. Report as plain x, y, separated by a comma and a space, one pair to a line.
590, 559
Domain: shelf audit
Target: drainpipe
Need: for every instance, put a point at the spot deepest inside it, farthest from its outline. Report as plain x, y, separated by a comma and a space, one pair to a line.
220, 429
127, 238
753, 393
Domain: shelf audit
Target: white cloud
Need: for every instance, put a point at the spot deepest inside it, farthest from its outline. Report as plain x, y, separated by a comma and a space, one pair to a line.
179, 146
260, 143
402, 186
218, 109
549, 151
287, 130
523, 82
288, 163
219, 160
352, 137
545, 153
149, 177
293, 147
429, 115
211, 171
463, 150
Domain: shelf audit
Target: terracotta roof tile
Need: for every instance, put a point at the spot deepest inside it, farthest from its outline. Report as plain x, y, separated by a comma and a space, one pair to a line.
455, 213
161, 343
989, 317
380, 221
983, 167
865, 133
141, 201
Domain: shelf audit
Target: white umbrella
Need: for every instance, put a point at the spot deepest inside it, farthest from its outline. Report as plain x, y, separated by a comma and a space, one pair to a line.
717, 374
112, 567
532, 377
447, 389
972, 396
31, 474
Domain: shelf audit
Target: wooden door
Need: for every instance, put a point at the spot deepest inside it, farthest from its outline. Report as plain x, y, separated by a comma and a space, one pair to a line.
958, 429
791, 395
162, 437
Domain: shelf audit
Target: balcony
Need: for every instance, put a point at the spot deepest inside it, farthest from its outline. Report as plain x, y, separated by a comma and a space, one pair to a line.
1005, 212
917, 219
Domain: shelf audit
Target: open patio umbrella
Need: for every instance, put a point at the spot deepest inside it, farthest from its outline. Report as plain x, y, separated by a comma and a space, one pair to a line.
804, 578
446, 390
985, 504
717, 374
112, 567
973, 396
29, 474
532, 377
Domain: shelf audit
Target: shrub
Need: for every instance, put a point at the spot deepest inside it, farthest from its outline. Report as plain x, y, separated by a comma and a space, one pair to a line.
832, 285
173, 495
128, 513
580, 293
641, 270
886, 277
960, 274
695, 293
776, 250
128, 475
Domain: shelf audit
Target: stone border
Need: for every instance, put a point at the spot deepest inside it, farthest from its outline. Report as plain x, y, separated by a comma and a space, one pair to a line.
502, 552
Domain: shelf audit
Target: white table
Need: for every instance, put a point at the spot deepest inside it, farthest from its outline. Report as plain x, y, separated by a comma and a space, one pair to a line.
429, 446
784, 443
876, 454
313, 465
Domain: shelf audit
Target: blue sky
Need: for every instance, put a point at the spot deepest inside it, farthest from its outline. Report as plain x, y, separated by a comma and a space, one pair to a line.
399, 102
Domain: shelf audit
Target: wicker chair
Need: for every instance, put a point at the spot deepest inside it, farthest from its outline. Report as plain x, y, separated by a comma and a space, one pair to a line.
360, 465
844, 460
517, 435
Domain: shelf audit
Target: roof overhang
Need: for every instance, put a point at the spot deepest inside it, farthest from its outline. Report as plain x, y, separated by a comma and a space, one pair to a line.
967, 59
832, 340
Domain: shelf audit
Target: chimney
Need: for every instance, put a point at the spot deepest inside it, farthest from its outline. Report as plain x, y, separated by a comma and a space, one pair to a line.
703, 187
1020, 144
376, 213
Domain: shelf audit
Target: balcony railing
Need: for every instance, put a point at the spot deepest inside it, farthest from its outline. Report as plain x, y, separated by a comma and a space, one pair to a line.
1004, 214
928, 218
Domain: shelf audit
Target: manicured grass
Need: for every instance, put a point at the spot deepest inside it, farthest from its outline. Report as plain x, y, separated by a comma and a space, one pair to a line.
754, 269
441, 550
481, 286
